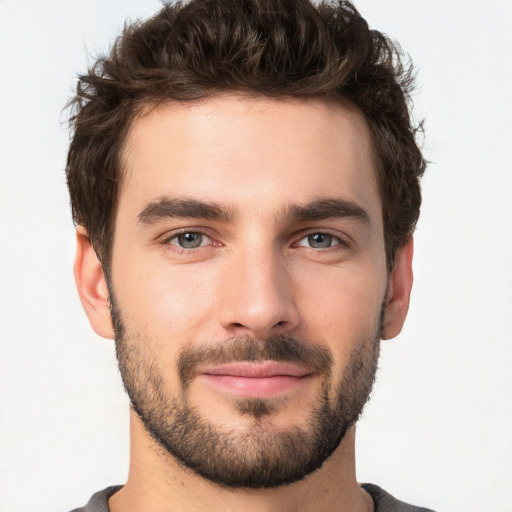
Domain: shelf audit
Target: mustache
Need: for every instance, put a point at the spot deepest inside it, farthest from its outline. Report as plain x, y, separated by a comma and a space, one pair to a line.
279, 348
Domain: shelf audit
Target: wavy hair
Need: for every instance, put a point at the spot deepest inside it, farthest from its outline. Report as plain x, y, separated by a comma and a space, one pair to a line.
273, 48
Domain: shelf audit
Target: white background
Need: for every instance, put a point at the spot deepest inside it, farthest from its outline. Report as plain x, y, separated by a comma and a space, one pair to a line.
438, 429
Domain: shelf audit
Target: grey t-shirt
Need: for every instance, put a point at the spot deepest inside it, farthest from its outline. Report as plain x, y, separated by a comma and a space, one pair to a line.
383, 501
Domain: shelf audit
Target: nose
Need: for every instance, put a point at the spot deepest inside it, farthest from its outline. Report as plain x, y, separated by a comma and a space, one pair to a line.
258, 296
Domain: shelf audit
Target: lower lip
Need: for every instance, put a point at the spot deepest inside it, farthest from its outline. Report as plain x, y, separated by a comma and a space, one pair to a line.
255, 387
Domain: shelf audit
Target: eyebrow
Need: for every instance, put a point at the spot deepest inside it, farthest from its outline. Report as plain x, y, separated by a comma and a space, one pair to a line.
166, 207
322, 209
331, 208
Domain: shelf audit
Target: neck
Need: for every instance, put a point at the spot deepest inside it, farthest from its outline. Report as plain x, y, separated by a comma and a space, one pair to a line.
158, 483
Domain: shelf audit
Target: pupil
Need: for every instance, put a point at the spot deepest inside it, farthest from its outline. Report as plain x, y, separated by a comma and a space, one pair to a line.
190, 240
320, 241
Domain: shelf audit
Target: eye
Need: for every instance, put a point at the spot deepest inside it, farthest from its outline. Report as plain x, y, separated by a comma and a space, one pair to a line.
319, 241
190, 240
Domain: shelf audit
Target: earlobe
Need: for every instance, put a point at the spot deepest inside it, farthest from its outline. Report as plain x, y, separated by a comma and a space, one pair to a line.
399, 292
91, 285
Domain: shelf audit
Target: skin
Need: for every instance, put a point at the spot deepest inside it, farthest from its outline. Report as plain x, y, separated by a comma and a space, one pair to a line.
255, 275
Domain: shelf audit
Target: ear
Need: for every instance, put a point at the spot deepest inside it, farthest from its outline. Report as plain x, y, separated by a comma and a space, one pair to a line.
92, 286
399, 292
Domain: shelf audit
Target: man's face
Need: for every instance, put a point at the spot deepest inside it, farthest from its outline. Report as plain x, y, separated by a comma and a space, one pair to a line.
248, 281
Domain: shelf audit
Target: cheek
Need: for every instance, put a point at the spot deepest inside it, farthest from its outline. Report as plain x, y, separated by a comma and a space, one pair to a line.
344, 311
165, 305
178, 295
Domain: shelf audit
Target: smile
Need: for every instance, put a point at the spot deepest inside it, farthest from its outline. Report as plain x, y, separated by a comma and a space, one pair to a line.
264, 380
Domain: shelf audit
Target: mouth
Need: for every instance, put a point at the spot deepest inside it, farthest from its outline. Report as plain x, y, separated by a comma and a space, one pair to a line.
267, 379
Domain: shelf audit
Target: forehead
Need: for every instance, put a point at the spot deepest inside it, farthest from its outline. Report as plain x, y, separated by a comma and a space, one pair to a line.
254, 154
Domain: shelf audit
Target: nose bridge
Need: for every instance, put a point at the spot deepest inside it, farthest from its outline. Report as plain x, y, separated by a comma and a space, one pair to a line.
258, 299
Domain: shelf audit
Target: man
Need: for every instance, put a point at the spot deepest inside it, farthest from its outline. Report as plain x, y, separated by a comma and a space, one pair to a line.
244, 180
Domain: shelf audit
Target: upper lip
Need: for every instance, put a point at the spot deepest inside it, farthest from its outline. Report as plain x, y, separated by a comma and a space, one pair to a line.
256, 370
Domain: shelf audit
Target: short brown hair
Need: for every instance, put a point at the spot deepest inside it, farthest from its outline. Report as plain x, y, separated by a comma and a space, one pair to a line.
275, 48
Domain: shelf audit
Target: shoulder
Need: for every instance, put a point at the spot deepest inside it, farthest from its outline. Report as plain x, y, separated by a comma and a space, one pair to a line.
99, 500
384, 502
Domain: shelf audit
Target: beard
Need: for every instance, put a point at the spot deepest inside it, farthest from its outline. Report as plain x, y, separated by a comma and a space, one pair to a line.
261, 454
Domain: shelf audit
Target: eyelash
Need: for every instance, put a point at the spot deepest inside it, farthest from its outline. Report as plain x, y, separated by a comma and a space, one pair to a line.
341, 243
167, 240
